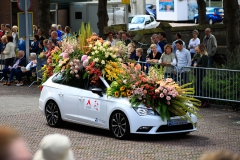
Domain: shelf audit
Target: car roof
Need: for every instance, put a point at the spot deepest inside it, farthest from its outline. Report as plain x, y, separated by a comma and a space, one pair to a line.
141, 15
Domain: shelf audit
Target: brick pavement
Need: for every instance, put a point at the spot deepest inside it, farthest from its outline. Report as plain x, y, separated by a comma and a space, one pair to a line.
217, 130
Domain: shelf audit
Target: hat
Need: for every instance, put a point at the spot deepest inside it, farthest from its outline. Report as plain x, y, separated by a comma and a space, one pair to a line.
54, 147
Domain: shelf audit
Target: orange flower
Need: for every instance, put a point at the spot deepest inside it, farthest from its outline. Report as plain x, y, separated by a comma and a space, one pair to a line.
129, 92
123, 94
116, 94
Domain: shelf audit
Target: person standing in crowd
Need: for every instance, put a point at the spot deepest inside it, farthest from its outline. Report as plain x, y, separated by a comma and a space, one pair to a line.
163, 39
4, 43
8, 31
40, 48
35, 30
210, 43
2, 31
41, 34
125, 39
131, 51
154, 56
200, 73
34, 45
59, 27
55, 28
12, 146
110, 38
9, 52
22, 44
15, 36
119, 35
55, 39
20, 62
183, 60
67, 32
139, 55
155, 40
178, 36
168, 60
193, 43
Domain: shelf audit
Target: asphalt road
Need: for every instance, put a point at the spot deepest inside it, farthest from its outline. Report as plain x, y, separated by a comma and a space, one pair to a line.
218, 130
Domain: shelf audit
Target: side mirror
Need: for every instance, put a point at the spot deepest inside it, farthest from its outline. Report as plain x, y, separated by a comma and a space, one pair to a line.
97, 91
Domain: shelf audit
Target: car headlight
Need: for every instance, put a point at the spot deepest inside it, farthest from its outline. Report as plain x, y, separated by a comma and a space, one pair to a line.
145, 111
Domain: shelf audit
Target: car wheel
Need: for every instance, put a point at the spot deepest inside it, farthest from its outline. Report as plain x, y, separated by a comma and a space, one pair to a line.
119, 125
210, 21
53, 114
195, 20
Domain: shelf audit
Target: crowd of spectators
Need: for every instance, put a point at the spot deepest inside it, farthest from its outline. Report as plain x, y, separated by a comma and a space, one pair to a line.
13, 50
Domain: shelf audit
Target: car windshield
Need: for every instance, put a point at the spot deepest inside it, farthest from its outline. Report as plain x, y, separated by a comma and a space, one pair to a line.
138, 20
220, 10
130, 19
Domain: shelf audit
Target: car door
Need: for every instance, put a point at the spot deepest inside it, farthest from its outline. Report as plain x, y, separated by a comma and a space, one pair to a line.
93, 108
153, 22
68, 98
147, 22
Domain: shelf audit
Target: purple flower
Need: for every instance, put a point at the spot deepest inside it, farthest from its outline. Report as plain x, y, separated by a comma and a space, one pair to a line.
84, 57
161, 95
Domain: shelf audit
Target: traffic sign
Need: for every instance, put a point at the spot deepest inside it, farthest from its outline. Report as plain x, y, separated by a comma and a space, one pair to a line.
22, 24
125, 1
21, 4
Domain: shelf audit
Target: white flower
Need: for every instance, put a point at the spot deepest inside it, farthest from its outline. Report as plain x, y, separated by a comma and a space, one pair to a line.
89, 57
106, 55
90, 45
93, 53
113, 55
96, 52
96, 59
120, 59
103, 62
95, 48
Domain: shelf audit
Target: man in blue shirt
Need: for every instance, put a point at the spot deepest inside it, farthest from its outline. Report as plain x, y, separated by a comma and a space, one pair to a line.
178, 36
183, 62
155, 39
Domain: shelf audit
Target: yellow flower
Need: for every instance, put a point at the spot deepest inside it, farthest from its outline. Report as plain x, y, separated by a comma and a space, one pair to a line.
116, 94
123, 94
122, 88
129, 92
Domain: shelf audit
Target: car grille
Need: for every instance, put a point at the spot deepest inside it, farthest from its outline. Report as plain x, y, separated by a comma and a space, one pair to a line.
166, 128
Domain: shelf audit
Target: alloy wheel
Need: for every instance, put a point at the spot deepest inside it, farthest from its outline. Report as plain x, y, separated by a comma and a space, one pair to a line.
52, 114
119, 125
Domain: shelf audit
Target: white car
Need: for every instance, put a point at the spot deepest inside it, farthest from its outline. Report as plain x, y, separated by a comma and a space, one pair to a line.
75, 101
138, 22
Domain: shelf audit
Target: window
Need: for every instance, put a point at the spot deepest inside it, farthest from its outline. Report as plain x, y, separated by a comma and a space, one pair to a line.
58, 78
78, 15
152, 19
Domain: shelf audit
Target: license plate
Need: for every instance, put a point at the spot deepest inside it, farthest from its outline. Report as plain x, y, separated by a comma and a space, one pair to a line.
174, 122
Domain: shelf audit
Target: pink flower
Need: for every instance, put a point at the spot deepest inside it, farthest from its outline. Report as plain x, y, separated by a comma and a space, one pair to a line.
84, 57
168, 98
71, 63
76, 67
144, 80
85, 62
77, 76
71, 72
144, 91
165, 91
64, 55
76, 71
157, 91
174, 95
161, 95
169, 80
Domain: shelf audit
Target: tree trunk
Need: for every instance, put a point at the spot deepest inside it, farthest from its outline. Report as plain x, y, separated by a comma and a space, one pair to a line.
202, 12
44, 19
102, 16
231, 23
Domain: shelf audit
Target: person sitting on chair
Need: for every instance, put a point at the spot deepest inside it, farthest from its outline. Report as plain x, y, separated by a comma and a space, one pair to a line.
20, 62
28, 70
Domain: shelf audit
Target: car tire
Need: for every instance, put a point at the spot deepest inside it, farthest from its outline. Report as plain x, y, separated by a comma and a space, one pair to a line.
53, 115
119, 125
210, 21
195, 20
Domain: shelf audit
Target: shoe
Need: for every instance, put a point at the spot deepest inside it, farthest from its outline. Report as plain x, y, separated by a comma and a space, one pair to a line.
9, 83
19, 84
5, 83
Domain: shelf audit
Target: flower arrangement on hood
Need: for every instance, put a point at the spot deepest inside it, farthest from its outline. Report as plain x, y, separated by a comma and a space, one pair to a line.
164, 96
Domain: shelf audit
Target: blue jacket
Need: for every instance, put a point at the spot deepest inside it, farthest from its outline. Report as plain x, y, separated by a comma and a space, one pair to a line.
34, 47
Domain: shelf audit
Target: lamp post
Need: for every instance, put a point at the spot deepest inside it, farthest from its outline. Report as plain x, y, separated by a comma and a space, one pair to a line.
27, 35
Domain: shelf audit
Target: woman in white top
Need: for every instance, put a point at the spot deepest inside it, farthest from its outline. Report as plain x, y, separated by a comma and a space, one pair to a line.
193, 43
9, 52
15, 36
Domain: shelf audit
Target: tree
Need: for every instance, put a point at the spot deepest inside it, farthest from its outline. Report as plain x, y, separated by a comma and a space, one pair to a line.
102, 16
44, 19
231, 23
202, 12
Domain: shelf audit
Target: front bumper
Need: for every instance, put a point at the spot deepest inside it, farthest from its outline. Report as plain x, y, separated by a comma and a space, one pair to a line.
155, 125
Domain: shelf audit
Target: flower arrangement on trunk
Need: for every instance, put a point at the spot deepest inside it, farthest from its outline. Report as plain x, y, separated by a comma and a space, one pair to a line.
164, 96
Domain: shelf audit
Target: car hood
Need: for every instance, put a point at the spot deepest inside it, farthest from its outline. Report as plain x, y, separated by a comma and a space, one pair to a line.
124, 101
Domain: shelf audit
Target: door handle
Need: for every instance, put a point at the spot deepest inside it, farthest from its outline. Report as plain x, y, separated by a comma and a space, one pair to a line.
60, 94
81, 98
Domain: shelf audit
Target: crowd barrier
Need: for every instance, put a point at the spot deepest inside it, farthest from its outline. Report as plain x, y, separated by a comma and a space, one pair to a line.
213, 83
1, 65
